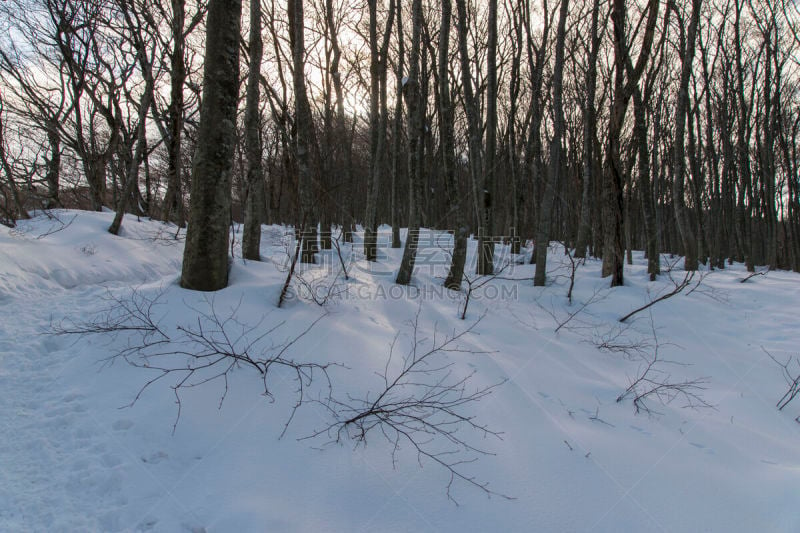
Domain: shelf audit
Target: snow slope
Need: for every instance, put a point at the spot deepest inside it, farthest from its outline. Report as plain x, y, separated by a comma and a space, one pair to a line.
74, 457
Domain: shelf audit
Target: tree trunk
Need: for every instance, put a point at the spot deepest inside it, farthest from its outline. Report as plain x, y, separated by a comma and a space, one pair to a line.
303, 124
645, 190
743, 204
173, 199
53, 172
613, 200
397, 129
470, 101
377, 124
543, 232
589, 134
132, 174
533, 151
448, 160
687, 234
254, 197
416, 111
613, 248
486, 236
205, 257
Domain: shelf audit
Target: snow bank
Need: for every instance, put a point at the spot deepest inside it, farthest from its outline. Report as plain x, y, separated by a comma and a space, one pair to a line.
74, 458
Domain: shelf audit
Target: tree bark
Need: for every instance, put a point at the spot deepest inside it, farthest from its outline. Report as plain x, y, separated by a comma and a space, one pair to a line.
254, 198
614, 178
645, 189
397, 129
589, 134
687, 48
377, 124
486, 236
543, 232
448, 159
132, 174
302, 143
470, 101
205, 257
416, 110
173, 198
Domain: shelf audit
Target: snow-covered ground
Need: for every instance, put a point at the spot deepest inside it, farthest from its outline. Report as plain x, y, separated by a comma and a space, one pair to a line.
73, 457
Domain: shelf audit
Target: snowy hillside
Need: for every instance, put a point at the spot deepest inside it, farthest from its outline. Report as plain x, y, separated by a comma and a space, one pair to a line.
77, 455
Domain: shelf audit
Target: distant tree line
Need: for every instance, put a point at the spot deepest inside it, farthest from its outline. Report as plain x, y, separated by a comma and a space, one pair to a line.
611, 126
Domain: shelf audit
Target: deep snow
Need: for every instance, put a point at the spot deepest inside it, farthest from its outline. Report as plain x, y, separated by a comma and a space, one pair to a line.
73, 457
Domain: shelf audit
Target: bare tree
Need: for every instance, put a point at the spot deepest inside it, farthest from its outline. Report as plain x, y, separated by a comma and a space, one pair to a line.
205, 257
416, 112
589, 132
303, 127
687, 44
180, 29
447, 134
397, 129
11, 208
486, 187
543, 234
254, 199
146, 57
377, 121
613, 180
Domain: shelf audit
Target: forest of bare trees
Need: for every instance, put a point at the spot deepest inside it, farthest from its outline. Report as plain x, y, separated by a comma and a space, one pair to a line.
611, 126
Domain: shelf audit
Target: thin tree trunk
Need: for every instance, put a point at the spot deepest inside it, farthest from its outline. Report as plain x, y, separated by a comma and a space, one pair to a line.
447, 133
416, 110
53, 172
486, 237
302, 140
173, 199
613, 200
650, 224
589, 133
543, 233
132, 174
254, 197
686, 231
377, 124
470, 102
743, 207
397, 128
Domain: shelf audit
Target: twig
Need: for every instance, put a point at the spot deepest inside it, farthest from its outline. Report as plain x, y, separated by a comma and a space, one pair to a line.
596, 418
652, 382
207, 349
679, 287
792, 381
288, 282
754, 274
422, 404
596, 296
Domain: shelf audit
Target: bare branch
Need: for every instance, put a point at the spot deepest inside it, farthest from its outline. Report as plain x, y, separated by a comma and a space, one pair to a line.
792, 380
679, 287
652, 382
754, 274
422, 404
207, 349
